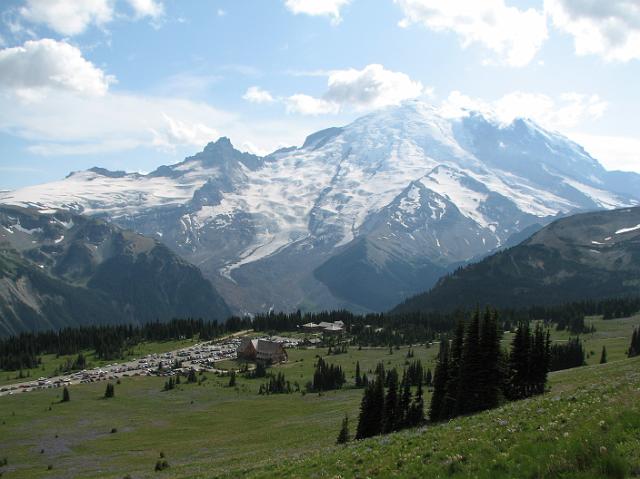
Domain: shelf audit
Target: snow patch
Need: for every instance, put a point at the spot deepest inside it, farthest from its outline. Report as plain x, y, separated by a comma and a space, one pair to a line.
628, 230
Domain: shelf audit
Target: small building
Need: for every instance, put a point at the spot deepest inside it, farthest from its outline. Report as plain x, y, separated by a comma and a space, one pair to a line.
270, 351
313, 341
248, 349
311, 327
333, 330
262, 350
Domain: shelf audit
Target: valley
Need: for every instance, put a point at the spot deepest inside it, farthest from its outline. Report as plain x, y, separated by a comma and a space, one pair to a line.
221, 431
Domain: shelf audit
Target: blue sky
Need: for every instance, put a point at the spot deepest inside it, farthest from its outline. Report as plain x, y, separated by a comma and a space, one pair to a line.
133, 84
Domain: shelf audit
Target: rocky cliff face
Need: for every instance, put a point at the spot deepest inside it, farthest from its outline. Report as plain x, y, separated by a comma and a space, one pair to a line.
60, 269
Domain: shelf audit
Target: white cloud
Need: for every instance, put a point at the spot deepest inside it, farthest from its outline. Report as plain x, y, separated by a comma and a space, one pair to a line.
176, 132
567, 111
614, 152
68, 17
515, 35
308, 105
328, 8
29, 71
147, 8
255, 94
73, 17
369, 88
610, 28
65, 122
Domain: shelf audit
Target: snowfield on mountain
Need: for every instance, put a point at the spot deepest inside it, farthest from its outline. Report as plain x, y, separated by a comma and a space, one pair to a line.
360, 216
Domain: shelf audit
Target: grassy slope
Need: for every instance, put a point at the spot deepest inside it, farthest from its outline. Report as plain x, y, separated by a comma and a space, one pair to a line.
587, 427
212, 430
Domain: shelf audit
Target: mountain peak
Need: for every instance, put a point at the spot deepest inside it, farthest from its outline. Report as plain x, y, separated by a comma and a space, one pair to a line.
222, 143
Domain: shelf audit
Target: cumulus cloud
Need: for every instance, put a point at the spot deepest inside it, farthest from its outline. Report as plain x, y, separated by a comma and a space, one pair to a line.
369, 88
328, 8
614, 152
513, 34
147, 8
564, 112
73, 17
32, 69
66, 122
255, 94
68, 17
607, 28
176, 132
308, 105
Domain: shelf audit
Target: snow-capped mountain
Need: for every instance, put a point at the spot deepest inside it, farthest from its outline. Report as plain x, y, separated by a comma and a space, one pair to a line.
360, 216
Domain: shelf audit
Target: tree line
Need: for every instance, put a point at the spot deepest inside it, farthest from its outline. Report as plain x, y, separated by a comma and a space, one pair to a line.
327, 377
108, 342
384, 412
473, 374
634, 347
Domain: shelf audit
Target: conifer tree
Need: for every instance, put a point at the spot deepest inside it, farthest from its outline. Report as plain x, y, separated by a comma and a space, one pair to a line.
469, 388
404, 404
428, 379
343, 435
453, 379
603, 355
440, 380
390, 416
358, 378
518, 373
371, 409
232, 379
634, 348
109, 391
65, 395
489, 380
416, 413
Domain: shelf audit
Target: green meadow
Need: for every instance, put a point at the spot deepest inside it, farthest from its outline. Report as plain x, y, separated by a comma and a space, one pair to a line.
211, 430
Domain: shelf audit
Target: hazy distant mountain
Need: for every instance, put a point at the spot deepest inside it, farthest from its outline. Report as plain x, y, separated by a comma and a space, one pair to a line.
360, 216
60, 269
585, 256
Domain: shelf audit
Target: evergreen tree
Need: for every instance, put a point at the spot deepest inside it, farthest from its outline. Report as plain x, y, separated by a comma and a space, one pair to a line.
363, 428
416, 413
109, 391
634, 348
232, 379
343, 435
518, 368
65, 395
390, 415
454, 368
567, 355
192, 378
470, 389
358, 378
371, 410
489, 380
603, 355
428, 379
404, 404
440, 380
